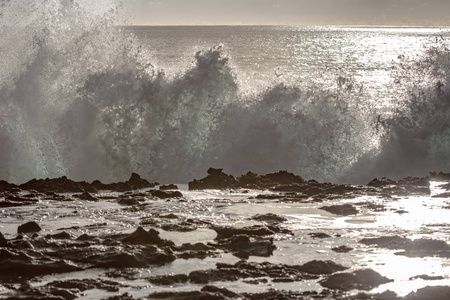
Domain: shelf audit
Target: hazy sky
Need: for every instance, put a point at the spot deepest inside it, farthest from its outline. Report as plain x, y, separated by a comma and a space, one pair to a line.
216, 12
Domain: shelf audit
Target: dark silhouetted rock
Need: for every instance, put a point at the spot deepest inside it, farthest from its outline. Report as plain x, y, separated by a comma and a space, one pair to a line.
165, 194
3, 241
342, 249
216, 179
59, 236
427, 277
358, 280
244, 246
321, 267
319, 235
87, 196
91, 189
342, 210
168, 187
441, 176
430, 293
30, 227
381, 182
143, 237
269, 218
228, 232
6, 186
57, 185
412, 248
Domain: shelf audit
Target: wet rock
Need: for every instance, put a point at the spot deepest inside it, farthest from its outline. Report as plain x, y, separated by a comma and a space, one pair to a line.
216, 179
6, 186
412, 248
91, 189
442, 195
342, 210
57, 185
136, 182
60, 236
87, 196
15, 263
15, 200
244, 246
219, 291
168, 187
192, 295
3, 241
441, 176
426, 277
342, 249
321, 267
228, 232
142, 237
430, 293
29, 227
129, 200
269, 218
132, 258
169, 279
125, 296
384, 181
165, 194
86, 284
357, 280
387, 295
319, 235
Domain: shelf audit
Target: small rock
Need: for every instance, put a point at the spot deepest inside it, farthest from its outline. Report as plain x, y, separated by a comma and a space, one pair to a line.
319, 235
87, 196
342, 210
30, 227
426, 277
342, 249
358, 280
168, 187
165, 194
321, 267
143, 237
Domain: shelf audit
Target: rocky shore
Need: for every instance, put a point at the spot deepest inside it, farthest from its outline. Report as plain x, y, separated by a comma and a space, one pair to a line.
34, 253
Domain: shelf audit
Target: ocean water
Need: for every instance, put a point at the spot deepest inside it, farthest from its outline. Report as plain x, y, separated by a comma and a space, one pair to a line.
83, 96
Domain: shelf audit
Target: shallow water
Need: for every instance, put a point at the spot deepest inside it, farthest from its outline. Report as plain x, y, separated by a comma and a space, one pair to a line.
423, 217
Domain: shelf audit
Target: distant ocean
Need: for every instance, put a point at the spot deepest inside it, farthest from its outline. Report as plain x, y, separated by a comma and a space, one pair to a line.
83, 97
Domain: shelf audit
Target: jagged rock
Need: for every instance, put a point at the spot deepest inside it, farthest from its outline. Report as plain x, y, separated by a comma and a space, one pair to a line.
87, 196
6, 186
320, 267
342, 210
358, 280
168, 187
244, 246
216, 179
29, 227
269, 218
384, 181
412, 248
142, 237
228, 232
430, 293
441, 176
57, 185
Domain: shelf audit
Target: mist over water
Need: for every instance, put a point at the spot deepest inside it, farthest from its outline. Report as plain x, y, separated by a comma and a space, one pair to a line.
83, 97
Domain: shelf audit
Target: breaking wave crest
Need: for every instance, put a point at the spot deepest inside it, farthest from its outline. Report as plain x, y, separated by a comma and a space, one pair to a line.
80, 97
